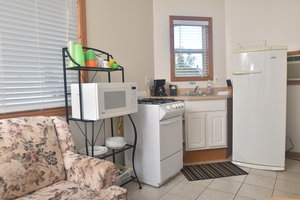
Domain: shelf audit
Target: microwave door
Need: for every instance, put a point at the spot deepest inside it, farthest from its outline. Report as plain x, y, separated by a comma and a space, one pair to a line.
113, 102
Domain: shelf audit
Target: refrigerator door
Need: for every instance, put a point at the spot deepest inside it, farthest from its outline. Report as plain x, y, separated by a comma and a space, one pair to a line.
259, 109
248, 63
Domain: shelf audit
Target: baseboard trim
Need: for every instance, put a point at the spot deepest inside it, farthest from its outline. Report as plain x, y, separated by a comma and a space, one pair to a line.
295, 155
204, 155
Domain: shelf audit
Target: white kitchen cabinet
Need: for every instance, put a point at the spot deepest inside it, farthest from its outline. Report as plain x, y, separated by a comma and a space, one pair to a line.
195, 123
205, 124
217, 129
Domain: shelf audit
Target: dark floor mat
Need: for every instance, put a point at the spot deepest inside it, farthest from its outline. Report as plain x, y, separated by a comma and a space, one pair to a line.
211, 170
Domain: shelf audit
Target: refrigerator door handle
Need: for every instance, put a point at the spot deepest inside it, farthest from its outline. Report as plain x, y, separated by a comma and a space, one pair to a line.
245, 72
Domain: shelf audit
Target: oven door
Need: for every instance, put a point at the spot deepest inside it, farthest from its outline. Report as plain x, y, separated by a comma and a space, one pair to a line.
170, 136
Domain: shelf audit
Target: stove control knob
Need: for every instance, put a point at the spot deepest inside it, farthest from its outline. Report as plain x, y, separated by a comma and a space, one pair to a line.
168, 107
174, 106
177, 105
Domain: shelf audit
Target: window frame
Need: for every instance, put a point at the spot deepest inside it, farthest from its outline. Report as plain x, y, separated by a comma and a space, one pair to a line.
210, 49
82, 38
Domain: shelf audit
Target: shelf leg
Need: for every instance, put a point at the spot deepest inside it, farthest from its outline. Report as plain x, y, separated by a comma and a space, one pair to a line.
133, 152
93, 143
112, 135
86, 140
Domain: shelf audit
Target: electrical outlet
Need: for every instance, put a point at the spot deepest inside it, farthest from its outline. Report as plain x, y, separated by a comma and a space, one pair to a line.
216, 79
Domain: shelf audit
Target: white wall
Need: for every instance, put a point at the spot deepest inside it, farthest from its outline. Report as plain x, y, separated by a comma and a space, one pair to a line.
293, 117
124, 29
276, 21
162, 9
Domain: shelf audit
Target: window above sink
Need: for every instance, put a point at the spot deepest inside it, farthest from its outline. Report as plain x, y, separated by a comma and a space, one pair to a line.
191, 48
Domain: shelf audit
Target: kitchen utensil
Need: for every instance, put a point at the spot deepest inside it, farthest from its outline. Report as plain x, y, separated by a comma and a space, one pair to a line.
115, 66
71, 53
115, 142
105, 64
98, 150
90, 59
78, 54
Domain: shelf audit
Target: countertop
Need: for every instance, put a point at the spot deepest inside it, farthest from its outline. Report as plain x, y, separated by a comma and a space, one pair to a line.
212, 96
199, 98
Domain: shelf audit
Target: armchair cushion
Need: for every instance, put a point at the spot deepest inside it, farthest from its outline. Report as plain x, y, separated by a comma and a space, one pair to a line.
88, 171
66, 190
30, 156
64, 135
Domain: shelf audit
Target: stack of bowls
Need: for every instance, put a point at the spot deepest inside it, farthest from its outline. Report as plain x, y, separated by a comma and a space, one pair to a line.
98, 150
115, 142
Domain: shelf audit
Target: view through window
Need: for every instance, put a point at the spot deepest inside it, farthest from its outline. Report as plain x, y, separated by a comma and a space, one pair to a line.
191, 48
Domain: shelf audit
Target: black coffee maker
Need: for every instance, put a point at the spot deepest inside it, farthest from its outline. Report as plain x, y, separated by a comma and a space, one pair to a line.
159, 88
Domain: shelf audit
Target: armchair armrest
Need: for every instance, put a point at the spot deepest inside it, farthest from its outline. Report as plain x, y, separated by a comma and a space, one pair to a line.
88, 171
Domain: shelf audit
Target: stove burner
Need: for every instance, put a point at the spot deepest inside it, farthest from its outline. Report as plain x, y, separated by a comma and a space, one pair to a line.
155, 100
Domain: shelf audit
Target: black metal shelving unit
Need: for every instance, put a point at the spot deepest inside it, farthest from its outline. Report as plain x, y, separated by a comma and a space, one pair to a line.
85, 132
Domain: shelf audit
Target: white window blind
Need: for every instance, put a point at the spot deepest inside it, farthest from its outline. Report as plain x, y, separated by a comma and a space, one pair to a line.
191, 48
32, 34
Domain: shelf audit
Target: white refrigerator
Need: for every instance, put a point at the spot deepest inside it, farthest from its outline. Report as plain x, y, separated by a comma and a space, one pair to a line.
259, 107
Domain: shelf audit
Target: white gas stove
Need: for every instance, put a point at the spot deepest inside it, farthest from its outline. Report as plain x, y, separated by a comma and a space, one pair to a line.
159, 154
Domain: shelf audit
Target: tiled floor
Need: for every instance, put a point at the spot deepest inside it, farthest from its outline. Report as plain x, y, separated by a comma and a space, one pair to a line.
257, 185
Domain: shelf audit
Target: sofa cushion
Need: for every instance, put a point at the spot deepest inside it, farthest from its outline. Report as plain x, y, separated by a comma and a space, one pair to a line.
66, 190
30, 157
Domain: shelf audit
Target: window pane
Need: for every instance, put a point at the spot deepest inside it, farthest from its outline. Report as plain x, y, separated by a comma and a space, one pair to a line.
189, 65
191, 48
188, 37
32, 34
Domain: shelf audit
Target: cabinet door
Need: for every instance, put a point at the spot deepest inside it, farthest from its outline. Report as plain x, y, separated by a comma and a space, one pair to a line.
195, 130
217, 129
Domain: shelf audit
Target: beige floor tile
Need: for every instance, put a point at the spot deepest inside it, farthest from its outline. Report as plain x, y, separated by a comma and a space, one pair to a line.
147, 193
281, 194
170, 196
202, 183
172, 182
246, 169
292, 165
241, 198
255, 192
272, 174
131, 186
225, 186
210, 194
287, 175
240, 178
287, 186
263, 181
186, 190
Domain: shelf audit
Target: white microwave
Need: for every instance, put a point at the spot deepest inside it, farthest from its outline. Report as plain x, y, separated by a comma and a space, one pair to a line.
103, 100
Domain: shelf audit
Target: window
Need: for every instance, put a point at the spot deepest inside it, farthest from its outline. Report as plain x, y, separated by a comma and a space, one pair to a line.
191, 48
32, 34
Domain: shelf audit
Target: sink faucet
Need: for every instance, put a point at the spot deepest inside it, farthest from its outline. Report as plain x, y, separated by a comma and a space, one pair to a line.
196, 89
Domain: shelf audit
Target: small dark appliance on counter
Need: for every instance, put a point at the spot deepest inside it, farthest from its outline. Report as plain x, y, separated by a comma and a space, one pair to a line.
158, 87
229, 86
173, 90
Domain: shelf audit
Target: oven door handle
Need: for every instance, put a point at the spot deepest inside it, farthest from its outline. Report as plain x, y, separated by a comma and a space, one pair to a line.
170, 121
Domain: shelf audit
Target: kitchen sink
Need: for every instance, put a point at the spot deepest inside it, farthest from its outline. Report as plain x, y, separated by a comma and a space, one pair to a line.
201, 94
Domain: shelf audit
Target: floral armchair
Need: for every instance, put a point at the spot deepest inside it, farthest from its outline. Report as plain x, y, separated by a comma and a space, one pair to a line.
38, 161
